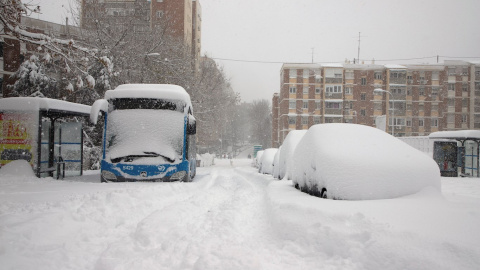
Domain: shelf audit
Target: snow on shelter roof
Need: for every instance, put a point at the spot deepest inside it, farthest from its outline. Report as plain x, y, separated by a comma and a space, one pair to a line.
44, 104
160, 91
457, 135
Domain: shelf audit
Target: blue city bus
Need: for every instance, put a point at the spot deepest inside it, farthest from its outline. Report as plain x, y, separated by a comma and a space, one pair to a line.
149, 133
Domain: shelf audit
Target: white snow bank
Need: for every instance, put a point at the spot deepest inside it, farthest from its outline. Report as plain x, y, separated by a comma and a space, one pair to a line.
266, 164
16, 168
286, 156
357, 162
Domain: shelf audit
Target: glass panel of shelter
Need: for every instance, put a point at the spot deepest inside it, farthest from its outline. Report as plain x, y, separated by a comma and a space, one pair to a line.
471, 158
68, 147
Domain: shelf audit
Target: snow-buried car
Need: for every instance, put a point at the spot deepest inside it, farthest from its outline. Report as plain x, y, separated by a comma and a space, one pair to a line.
356, 162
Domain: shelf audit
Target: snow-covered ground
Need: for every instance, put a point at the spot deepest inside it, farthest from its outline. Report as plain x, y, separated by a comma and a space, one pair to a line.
231, 217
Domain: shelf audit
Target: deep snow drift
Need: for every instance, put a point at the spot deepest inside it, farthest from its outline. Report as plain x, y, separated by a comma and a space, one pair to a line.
231, 217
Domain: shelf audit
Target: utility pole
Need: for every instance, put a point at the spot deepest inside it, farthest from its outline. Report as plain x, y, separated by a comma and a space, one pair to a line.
313, 49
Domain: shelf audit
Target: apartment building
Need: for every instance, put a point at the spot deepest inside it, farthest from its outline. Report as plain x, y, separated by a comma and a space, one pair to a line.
179, 19
416, 99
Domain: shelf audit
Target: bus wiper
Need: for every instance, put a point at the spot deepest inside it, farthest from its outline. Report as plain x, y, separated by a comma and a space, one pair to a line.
153, 154
130, 158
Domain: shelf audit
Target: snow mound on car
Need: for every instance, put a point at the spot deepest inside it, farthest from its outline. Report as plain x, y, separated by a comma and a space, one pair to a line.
266, 163
357, 162
286, 155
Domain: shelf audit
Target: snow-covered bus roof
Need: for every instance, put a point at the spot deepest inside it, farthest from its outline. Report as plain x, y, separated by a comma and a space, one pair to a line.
157, 91
456, 135
42, 104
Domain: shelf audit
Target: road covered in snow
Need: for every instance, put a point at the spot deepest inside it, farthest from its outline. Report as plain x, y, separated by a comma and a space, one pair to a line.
231, 217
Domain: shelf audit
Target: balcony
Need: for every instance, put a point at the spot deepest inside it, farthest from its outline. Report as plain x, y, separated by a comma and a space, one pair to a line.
334, 111
333, 96
333, 80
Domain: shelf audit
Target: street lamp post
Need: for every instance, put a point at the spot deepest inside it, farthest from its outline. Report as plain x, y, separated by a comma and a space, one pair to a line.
393, 110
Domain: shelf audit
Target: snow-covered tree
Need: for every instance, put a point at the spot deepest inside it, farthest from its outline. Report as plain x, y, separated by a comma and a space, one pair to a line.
64, 56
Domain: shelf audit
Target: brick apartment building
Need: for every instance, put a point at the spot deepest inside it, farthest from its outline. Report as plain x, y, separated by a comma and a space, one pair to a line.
422, 98
180, 19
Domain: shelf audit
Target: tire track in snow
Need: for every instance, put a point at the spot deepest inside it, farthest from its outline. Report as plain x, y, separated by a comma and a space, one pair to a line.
222, 227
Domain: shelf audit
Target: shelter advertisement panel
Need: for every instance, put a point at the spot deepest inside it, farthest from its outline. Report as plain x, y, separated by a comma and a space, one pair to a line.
17, 136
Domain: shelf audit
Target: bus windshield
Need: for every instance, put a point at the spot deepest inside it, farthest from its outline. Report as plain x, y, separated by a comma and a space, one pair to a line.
145, 131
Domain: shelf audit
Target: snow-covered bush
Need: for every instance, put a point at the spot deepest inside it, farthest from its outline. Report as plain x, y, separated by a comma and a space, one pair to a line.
356, 162
286, 155
266, 163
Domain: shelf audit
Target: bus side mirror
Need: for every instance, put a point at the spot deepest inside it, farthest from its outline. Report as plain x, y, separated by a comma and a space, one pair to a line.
100, 105
191, 126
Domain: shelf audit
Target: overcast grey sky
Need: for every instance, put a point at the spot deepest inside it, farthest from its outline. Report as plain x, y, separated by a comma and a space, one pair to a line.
287, 30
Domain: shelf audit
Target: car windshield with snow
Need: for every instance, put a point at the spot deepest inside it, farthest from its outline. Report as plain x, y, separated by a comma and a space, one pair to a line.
149, 134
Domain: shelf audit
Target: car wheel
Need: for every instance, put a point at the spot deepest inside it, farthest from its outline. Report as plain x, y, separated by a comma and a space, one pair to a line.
324, 194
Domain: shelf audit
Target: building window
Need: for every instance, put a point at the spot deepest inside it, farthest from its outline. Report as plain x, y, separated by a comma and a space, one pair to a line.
317, 90
364, 81
378, 75
451, 71
435, 76
421, 107
451, 102
292, 104
305, 104
292, 120
451, 87
363, 96
306, 73
464, 118
293, 90
434, 122
465, 87
421, 91
349, 75
159, 13
420, 122
293, 73
305, 89
304, 120
409, 122
348, 90
316, 120
317, 105
363, 112
334, 89
159, 1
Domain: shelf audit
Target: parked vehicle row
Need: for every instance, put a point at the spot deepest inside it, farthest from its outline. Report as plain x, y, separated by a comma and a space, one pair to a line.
348, 161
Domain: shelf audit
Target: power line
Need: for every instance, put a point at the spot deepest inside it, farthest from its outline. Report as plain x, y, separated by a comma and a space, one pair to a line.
381, 60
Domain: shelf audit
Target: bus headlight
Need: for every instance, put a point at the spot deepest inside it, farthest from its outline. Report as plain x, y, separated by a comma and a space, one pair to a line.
109, 176
178, 175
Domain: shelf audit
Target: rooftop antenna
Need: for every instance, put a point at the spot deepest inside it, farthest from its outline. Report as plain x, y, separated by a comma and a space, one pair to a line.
358, 55
313, 49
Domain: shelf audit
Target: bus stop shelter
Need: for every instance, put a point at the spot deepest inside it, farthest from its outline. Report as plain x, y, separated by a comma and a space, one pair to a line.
44, 132
457, 159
